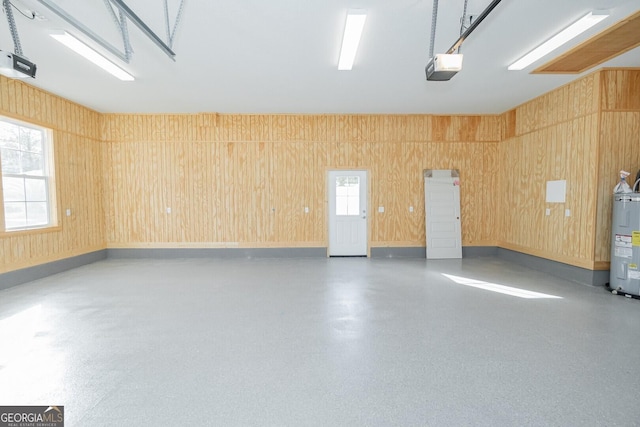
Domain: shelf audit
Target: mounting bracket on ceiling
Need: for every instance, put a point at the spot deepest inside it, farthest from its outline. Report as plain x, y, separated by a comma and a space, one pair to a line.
126, 10
121, 23
473, 26
124, 13
443, 67
14, 65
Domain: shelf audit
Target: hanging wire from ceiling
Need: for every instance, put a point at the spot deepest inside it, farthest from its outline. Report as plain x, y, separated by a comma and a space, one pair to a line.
31, 15
17, 47
474, 25
464, 30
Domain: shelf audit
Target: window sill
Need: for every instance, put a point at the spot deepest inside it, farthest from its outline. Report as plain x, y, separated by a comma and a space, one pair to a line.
28, 231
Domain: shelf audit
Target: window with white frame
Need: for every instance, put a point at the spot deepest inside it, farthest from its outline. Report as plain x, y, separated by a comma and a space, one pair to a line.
348, 195
28, 193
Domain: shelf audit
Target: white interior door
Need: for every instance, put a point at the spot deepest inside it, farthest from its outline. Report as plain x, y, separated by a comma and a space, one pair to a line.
442, 208
347, 213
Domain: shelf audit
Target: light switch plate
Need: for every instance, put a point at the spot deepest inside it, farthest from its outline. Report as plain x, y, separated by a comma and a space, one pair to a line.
381, 209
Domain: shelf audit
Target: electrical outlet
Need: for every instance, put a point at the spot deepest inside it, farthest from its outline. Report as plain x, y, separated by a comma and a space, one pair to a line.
168, 210
306, 209
381, 209
410, 208
567, 212
547, 212
68, 212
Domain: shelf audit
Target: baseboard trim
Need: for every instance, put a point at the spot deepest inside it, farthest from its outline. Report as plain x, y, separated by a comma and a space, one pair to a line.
398, 252
479, 251
421, 252
169, 253
376, 252
24, 275
558, 269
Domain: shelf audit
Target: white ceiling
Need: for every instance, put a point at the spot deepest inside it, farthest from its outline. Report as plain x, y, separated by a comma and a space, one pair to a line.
280, 56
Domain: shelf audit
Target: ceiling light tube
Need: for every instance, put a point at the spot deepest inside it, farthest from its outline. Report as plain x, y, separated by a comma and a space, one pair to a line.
88, 53
575, 29
351, 38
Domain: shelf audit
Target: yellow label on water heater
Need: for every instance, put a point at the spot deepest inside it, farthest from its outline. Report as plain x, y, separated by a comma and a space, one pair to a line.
635, 238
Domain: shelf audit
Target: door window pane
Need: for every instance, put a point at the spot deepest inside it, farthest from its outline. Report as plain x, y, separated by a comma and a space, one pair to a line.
348, 195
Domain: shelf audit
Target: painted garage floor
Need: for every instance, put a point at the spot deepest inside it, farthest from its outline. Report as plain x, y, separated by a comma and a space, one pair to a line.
320, 342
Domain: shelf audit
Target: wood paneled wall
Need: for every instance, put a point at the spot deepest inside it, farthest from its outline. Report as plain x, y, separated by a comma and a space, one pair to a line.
78, 162
583, 132
244, 180
619, 146
554, 137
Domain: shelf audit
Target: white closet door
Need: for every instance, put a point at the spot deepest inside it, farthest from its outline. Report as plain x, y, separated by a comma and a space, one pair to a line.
442, 208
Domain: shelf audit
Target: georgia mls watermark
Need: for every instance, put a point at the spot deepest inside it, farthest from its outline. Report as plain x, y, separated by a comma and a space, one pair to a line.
31, 416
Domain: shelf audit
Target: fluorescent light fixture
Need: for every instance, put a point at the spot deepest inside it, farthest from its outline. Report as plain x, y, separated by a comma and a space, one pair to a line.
88, 53
351, 38
573, 30
507, 290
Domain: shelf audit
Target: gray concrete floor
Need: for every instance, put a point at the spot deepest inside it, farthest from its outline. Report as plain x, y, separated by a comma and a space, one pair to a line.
321, 342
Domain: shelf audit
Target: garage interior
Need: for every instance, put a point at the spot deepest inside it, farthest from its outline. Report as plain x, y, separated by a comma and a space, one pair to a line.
185, 275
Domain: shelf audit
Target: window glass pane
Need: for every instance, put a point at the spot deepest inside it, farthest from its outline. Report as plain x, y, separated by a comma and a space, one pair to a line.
36, 190
31, 140
10, 161
32, 164
15, 214
13, 189
9, 135
354, 206
342, 203
37, 213
347, 181
348, 195
25, 175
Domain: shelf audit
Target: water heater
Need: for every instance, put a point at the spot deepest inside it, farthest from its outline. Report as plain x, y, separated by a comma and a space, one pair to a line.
625, 244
